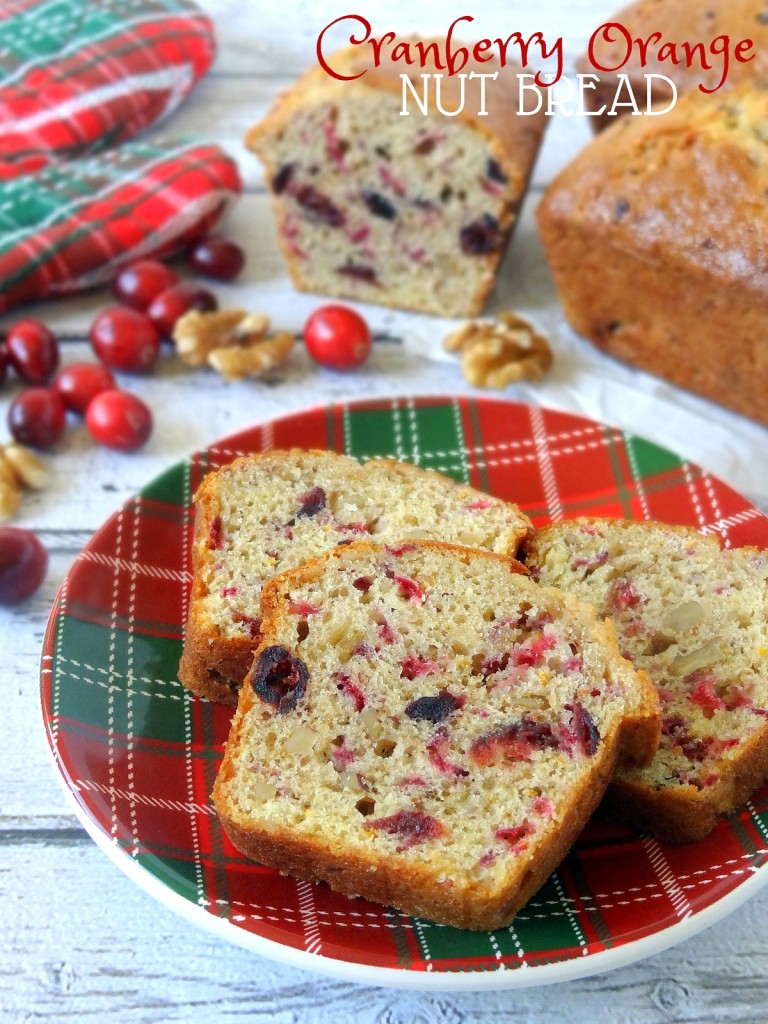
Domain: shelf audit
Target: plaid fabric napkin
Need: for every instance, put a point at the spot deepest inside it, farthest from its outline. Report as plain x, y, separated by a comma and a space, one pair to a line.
78, 77
71, 225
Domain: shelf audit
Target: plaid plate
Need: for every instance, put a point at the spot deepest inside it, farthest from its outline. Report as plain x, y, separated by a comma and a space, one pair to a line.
140, 754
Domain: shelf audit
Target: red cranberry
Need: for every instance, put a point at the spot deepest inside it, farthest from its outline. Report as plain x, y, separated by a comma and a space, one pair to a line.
217, 258
80, 382
118, 419
138, 284
125, 339
37, 417
4, 360
178, 300
33, 350
338, 337
23, 564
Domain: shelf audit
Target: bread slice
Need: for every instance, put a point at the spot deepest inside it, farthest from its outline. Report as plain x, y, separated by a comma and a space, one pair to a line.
427, 727
266, 513
408, 211
695, 618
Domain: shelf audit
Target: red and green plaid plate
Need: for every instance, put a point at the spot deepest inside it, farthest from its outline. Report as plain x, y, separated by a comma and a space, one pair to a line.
138, 754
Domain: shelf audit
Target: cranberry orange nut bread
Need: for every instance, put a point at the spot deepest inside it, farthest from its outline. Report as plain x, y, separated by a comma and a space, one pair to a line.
263, 514
408, 211
695, 618
701, 25
657, 235
426, 727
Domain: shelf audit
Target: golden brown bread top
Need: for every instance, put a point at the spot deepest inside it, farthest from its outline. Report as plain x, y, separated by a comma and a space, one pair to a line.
692, 21
686, 188
517, 137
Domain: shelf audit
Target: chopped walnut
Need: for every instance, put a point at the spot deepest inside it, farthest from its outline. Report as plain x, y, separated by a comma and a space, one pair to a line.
497, 353
253, 359
20, 468
231, 341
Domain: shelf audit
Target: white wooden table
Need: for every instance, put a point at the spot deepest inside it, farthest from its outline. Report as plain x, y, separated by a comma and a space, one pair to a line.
80, 941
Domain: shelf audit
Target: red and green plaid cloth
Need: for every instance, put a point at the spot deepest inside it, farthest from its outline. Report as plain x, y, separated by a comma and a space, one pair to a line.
77, 77
71, 225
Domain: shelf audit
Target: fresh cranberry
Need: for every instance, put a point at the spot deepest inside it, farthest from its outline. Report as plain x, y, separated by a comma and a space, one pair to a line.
37, 417
138, 284
4, 360
173, 303
118, 419
80, 382
23, 564
33, 350
217, 258
338, 337
125, 339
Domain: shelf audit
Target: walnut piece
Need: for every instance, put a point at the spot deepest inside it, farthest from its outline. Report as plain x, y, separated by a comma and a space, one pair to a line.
196, 334
20, 468
497, 353
10, 492
253, 359
231, 341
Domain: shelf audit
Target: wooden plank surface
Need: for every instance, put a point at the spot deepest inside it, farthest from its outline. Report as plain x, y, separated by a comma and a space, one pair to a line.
81, 941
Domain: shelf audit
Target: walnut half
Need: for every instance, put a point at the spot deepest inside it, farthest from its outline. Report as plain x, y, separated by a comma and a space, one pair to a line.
497, 353
233, 342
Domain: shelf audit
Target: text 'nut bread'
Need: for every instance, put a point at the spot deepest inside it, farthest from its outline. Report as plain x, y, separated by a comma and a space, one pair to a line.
703, 26
695, 618
408, 211
657, 235
266, 513
426, 727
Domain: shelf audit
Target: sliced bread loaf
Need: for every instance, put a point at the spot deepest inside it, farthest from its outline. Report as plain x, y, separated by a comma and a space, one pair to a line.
408, 211
695, 618
425, 726
266, 513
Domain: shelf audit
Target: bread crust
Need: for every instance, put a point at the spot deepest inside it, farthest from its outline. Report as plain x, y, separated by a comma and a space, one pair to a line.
415, 892
213, 664
681, 21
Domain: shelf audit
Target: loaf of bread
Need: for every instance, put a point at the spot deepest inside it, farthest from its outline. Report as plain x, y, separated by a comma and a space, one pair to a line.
426, 727
266, 513
694, 617
409, 211
684, 21
657, 235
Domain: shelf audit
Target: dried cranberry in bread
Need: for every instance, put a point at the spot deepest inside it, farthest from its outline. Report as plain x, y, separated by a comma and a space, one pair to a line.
427, 727
266, 513
703, 26
657, 235
408, 211
695, 618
